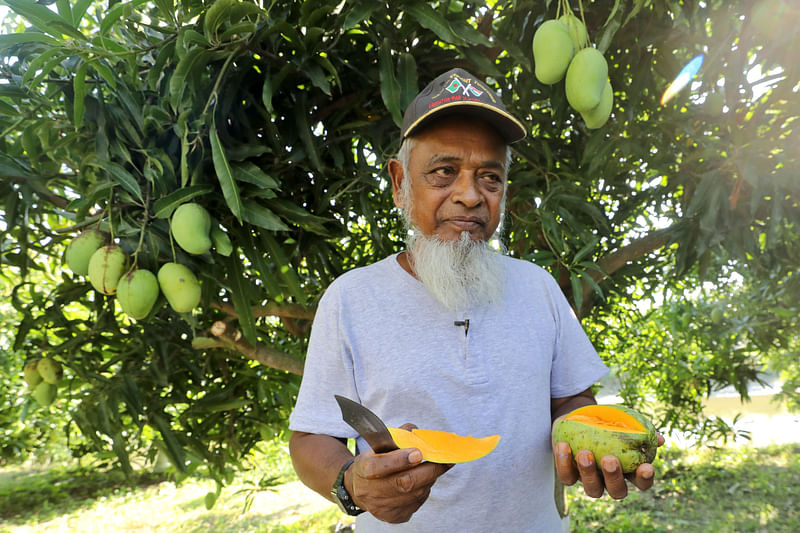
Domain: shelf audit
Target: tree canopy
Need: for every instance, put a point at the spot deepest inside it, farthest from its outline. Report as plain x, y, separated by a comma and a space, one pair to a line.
278, 117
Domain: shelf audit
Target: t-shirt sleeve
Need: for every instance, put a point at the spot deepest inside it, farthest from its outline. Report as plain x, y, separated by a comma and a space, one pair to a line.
328, 371
576, 365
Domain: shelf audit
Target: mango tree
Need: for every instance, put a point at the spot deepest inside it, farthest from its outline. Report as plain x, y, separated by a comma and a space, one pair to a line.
274, 121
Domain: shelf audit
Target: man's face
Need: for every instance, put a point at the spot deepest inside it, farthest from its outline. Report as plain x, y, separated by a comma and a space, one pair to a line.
457, 172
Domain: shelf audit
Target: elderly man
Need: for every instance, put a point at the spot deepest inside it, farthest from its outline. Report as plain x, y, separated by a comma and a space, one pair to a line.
450, 335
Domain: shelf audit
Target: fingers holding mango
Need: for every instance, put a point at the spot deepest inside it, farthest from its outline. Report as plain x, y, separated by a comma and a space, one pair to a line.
393, 485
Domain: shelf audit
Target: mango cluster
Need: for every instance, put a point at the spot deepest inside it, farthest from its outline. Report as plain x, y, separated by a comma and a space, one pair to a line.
42, 377
562, 49
107, 265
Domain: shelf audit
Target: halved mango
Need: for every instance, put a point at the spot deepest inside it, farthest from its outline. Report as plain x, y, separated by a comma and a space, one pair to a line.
444, 447
610, 417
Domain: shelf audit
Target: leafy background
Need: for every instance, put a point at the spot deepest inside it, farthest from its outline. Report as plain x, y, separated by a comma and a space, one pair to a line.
279, 116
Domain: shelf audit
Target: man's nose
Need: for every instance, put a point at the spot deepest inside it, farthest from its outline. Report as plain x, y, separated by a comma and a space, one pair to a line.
466, 191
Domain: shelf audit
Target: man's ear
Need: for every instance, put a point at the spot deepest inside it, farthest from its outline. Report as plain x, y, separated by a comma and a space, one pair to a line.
396, 173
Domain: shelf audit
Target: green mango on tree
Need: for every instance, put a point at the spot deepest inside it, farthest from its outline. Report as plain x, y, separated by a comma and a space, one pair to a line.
180, 287
50, 370
586, 78
106, 267
552, 51
80, 250
137, 292
191, 227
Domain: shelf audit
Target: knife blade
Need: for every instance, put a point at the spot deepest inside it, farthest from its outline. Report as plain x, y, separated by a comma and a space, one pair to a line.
367, 424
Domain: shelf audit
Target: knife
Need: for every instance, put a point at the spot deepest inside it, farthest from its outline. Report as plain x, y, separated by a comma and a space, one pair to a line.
367, 424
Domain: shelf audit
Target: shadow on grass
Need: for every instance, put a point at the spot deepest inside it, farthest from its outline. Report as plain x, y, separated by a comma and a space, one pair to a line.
55, 492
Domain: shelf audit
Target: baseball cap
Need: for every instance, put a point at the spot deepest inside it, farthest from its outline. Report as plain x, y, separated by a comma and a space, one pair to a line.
459, 92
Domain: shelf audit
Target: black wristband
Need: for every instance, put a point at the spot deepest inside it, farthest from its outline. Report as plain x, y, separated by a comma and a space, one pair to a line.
340, 494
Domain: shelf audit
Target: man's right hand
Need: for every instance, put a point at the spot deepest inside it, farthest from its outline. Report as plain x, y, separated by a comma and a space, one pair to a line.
392, 486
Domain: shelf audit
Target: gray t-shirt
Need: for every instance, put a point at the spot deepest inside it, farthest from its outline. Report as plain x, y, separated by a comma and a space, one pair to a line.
380, 338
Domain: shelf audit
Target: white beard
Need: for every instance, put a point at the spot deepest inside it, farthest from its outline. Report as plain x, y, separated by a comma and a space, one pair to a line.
460, 274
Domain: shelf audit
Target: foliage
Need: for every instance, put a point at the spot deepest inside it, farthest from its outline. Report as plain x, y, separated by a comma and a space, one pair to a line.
278, 117
25, 427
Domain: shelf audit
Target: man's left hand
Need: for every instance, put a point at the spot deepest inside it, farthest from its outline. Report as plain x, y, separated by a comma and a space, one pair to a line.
608, 477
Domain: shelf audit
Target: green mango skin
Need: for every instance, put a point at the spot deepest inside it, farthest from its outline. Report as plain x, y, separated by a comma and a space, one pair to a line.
80, 250
31, 374
598, 116
137, 292
577, 30
586, 77
45, 393
632, 449
180, 287
191, 225
552, 51
106, 266
50, 370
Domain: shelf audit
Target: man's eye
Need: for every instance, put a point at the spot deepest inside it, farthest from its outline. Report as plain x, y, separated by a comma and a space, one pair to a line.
444, 171
441, 176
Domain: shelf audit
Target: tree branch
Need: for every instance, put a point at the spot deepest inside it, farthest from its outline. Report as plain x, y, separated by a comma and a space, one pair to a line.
263, 354
616, 260
272, 309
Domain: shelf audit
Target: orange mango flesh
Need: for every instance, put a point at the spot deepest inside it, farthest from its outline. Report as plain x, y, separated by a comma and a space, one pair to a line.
444, 447
606, 417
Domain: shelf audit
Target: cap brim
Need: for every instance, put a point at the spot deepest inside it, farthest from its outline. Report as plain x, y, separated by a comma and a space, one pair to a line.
506, 125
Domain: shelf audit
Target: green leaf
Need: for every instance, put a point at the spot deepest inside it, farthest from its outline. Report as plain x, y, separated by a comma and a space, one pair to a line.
284, 266
114, 14
248, 172
222, 243
258, 215
587, 248
359, 13
577, 289
430, 19
79, 10
43, 18
239, 290
163, 207
230, 191
65, 11
173, 447
294, 213
216, 14
407, 79
390, 89
105, 72
79, 86
38, 62
189, 65
121, 176
304, 131
12, 39
272, 83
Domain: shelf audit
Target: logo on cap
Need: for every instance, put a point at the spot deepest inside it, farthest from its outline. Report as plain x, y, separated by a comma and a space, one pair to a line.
457, 85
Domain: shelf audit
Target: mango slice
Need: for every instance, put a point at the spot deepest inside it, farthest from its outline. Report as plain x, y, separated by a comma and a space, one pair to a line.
444, 447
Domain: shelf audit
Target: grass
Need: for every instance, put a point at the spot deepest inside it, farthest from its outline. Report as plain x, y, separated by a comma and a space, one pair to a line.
721, 490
